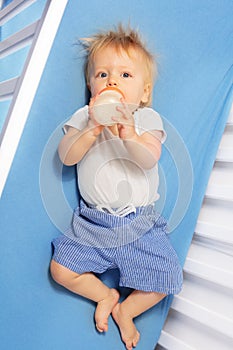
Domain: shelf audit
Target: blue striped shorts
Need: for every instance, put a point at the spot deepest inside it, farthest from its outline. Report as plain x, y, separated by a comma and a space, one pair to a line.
136, 244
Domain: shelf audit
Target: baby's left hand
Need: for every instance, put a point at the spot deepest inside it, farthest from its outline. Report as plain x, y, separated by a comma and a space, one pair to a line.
125, 122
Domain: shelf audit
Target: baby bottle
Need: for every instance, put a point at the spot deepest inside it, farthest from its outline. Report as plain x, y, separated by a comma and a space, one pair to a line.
105, 105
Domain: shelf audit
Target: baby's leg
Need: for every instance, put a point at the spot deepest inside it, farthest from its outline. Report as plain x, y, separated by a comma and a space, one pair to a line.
131, 307
88, 286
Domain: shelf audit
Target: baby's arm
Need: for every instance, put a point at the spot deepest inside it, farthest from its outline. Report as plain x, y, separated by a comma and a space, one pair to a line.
75, 143
145, 149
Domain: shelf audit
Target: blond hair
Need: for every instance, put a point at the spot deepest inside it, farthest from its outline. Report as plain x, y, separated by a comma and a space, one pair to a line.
120, 39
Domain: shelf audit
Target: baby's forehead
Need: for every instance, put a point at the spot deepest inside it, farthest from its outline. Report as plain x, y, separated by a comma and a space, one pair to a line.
129, 52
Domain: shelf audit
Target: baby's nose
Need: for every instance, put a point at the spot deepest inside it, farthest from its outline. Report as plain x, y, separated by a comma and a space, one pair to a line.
112, 81
112, 84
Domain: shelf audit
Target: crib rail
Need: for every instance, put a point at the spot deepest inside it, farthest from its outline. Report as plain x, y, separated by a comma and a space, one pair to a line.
7, 88
19, 91
13, 9
20, 39
201, 316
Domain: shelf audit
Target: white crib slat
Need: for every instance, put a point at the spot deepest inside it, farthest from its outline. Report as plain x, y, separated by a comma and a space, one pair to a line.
13, 9
230, 119
170, 341
225, 151
210, 265
214, 312
7, 88
18, 40
215, 221
182, 332
220, 184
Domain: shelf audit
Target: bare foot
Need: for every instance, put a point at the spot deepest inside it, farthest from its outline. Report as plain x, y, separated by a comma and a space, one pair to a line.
129, 333
104, 309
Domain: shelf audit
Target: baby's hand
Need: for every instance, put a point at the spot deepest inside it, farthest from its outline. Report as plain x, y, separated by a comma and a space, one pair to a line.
125, 122
92, 123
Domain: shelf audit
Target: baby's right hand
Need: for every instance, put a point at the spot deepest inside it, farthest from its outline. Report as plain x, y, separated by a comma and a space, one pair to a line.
92, 123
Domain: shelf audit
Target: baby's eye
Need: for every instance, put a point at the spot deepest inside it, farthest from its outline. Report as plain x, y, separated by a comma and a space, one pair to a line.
126, 75
102, 75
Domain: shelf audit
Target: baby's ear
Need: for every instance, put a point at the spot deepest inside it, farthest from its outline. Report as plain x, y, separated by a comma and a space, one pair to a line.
146, 94
88, 85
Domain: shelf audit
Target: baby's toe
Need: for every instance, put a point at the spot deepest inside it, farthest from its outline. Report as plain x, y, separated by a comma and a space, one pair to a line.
102, 327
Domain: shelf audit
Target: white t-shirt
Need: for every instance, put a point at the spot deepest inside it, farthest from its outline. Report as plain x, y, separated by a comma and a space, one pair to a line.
108, 177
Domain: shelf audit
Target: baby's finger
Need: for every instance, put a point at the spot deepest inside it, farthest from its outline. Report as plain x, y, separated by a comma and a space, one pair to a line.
125, 106
92, 100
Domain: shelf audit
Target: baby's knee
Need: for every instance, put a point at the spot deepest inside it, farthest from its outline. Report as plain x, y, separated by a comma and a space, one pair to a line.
60, 273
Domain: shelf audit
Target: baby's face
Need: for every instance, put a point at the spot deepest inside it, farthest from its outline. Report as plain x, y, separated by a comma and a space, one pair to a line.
118, 69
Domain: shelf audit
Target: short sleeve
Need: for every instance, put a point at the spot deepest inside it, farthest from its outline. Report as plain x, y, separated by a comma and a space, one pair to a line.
78, 120
147, 119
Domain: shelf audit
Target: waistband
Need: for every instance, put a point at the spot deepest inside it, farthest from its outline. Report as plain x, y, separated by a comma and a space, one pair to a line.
121, 211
